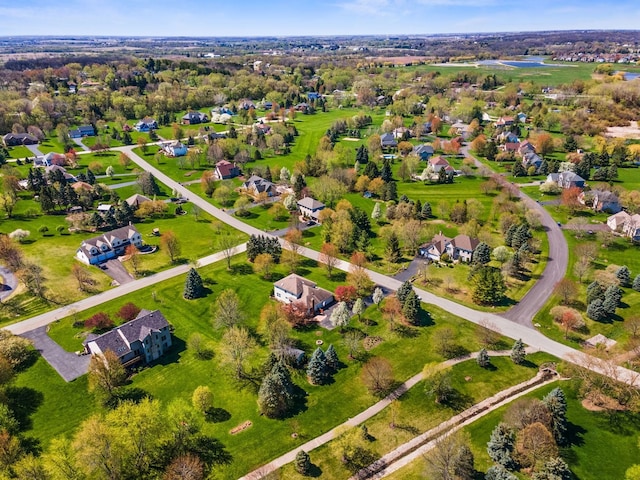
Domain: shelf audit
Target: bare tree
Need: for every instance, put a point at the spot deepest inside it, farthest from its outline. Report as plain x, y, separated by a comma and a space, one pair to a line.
227, 245
581, 267
83, 277
236, 348
171, 244
329, 257
567, 290
226, 309
377, 375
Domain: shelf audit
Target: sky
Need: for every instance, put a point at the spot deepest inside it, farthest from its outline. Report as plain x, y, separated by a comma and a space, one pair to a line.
215, 18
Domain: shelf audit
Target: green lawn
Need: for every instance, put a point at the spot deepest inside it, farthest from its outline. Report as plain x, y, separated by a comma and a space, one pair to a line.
179, 374
415, 412
20, 152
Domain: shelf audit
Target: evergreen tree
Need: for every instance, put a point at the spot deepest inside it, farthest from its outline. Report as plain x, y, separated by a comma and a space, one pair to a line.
442, 176
317, 369
391, 192
596, 311
595, 291
298, 184
636, 283
491, 150
362, 155
498, 472
91, 178
583, 169
333, 362
508, 236
463, 464
394, 254
276, 395
411, 308
193, 286
521, 236
556, 403
110, 220
518, 353
489, 287
417, 210
481, 254
554, 469
385, 173
518, 170
95, 220
267, 174
371, 170
501, 445
426, 210
543, 169
612, 297
483, 358
127, 212
403, 292
624, 275
302, 462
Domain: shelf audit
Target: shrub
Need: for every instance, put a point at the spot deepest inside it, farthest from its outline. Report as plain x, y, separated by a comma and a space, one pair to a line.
128, 312
99, 321
557, 313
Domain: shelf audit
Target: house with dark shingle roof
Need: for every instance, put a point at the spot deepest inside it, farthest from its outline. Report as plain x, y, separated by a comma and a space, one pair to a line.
460, 247
310, 207
424, 151
141, 340
146, 125
387, 140
303, 292
226, 169
256, 185
15, 139
108, 245
82, 131
194, 118
566, 179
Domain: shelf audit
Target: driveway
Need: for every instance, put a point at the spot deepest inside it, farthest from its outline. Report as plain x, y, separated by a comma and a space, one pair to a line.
8, 284
69, 365
35, 151
411, 271
78, 141
116, 270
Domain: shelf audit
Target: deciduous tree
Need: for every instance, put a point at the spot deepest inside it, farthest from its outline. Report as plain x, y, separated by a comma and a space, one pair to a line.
171, 244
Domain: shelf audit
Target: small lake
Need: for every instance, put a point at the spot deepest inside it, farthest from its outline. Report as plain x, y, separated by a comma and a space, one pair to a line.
630, 75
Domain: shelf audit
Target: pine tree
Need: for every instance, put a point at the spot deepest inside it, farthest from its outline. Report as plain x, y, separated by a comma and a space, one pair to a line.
508, 236
385, 173
498, 472
333, 362
298, 184
596, 311
193, 287
518, 353
501, 445
91, 178
636, 283
488, 286
556, 403
318, 369
394, 254
391, 192
612, 297
411, 308
371, 170
624, 275
483, 358
481, 254
302, 462
404, 291
554, 469
267, 174
426, 210
276, 395
463, 464
127, 212
595, 291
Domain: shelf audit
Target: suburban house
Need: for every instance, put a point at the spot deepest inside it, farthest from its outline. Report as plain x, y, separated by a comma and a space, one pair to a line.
141, 340
57, 168
600, 201
82, 131
459, 248
15, 139
226, 169
246, 104
136, 200
194, 118
399, 133
108, 245
508, 137
511, 147
526, 147
531, 159
256, 185
566, 179
146, 125
616, 222
504, 122
461, 129
438, 163
314, 95
50, 159
295, 288
424, 151
631, 228
310, 207
104, 208
387, 140
174, 149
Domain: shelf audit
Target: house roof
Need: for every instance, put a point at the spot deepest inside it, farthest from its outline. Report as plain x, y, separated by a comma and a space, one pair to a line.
136, 200
226, 168
195, 116
259, 184
388, 139
304, 290
310, 203
424, 148
119, 339
20, 137
619, 217
122, 233
439, 242
465, 242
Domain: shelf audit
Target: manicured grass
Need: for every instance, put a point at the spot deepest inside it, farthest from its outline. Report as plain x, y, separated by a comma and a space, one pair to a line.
20, 152
415, 412
179, 373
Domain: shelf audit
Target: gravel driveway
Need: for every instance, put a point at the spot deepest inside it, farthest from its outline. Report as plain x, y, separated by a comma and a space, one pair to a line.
69, 365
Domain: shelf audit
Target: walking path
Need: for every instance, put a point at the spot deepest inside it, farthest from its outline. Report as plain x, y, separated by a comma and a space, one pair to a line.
8, 284
357, 420
418, 446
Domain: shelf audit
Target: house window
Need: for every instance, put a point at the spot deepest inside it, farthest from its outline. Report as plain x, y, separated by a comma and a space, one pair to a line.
163, 338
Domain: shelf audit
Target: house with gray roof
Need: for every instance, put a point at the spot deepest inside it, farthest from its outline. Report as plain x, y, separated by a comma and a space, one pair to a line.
256, 185
302, 292
460, 247
387, 140
109, 245
566, 179
141, 340
310, 207
15, 139
194, 118
424, 151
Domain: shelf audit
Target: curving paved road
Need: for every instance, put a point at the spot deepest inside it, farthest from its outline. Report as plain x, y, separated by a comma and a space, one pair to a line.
557, 261
8, 284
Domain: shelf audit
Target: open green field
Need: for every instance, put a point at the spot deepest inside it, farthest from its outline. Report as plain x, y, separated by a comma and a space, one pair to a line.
415, 412
180, 373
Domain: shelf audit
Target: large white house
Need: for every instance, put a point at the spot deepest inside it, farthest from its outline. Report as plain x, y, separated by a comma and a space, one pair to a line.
109, 245
459, 248
310, 207
141, 340
628, 225
302, 292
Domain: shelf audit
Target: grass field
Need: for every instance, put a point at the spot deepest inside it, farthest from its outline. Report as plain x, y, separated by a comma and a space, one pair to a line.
178, 374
